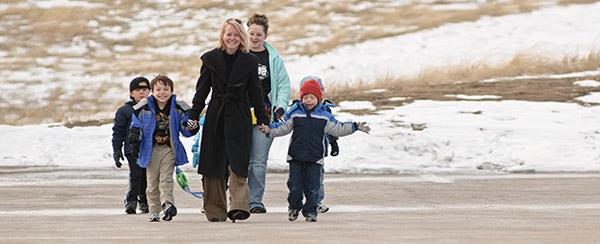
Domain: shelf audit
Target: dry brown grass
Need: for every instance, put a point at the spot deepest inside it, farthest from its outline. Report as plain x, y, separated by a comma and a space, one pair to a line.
35, 29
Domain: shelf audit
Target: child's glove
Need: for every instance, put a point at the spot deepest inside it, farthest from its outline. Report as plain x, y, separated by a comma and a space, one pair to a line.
335, 149
362, 126
117, 156
134, 140
278, 113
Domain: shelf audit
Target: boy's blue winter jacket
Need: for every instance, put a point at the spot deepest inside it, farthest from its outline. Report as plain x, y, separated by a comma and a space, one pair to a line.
308, 142
146, 120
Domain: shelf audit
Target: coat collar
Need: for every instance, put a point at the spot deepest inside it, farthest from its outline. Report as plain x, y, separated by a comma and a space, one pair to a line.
244, 63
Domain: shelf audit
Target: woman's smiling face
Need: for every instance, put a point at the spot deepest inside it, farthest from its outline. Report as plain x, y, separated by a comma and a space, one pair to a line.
257, 37
232, 39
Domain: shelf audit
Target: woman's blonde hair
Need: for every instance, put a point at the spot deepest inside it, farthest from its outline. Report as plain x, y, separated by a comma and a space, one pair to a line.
237, 24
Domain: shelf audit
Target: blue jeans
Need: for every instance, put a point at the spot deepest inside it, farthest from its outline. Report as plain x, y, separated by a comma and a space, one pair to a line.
322, 187
259, 153
304, 180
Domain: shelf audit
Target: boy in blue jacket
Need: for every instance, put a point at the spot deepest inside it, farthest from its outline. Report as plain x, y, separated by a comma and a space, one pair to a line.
332, 140
139, 88
154, 136
310, 123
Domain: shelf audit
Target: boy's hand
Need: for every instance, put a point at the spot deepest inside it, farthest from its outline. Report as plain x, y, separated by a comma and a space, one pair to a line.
191, 124
362, 126
335, 149
134, 140
116, 156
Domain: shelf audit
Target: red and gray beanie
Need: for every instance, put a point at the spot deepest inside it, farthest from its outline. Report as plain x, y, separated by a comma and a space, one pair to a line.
311, 87
317, 79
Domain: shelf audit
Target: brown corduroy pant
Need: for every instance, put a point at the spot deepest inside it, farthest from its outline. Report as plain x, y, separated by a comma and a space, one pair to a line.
215, 195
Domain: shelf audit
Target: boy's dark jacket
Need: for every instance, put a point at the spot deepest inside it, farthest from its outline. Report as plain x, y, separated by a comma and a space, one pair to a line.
146, 121
121, 128
310, 127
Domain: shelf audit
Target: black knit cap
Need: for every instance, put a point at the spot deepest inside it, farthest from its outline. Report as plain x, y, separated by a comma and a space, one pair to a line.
139, 82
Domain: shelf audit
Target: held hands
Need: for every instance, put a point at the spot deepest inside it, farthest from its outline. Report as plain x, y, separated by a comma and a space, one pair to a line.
190, 124
264, 128
116, 156
362, 126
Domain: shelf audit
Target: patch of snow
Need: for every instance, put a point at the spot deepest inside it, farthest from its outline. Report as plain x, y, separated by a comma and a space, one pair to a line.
473, 97
593, 97
356, 105
587, 83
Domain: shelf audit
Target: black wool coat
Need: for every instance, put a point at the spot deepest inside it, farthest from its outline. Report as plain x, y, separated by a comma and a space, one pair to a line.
227, 130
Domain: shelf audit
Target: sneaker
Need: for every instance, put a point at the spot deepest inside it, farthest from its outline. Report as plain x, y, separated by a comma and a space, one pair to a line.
169, 211
143, 206
293, 214
154, 217
311, 218
258, 210
322, 208
130, 207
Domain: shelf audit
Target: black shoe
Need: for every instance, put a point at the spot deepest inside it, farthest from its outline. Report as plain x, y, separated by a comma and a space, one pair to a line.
238, 215
130, 207
258, 210
143, 206
311, 218
293, 214
216, 220
169, 211
321, 208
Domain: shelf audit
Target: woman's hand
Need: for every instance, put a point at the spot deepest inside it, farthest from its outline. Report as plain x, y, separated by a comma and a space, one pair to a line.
264, 129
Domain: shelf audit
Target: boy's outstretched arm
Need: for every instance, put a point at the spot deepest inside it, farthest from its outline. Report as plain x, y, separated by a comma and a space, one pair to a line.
340, 129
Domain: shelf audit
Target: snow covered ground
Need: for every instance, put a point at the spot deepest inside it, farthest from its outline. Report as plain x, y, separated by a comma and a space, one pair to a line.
422, 137
552, 32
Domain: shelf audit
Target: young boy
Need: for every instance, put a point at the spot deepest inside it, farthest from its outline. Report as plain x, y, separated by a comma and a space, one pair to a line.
310, 123
154, 135
139, 88
335, 150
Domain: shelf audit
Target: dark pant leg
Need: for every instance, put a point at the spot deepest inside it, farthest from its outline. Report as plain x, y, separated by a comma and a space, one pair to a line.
312, 185
294, 184
137, 181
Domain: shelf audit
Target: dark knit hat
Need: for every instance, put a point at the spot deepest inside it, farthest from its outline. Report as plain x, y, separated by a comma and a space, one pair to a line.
139, 82
311, 87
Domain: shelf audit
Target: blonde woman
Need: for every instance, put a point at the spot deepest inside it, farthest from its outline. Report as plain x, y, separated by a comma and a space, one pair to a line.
230, 71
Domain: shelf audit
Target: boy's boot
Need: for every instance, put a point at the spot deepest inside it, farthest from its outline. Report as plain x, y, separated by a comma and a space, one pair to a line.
311, 218
130, 207
322, 208
293, 214
143, 204
169, 211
